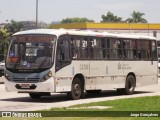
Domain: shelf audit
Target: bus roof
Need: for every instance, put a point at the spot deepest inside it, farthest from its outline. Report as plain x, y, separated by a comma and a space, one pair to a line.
59, 32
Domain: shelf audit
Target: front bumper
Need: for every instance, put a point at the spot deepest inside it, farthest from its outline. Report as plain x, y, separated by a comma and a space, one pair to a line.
47, 86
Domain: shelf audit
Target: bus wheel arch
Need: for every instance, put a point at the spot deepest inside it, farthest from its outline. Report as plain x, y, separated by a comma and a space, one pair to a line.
77, 87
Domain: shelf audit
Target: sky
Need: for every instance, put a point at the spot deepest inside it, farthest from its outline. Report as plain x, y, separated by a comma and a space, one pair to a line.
56, 10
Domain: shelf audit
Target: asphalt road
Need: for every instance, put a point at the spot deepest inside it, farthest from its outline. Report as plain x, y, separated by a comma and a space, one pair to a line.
12, 101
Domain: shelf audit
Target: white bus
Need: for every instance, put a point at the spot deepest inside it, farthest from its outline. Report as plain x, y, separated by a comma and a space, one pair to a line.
44, 61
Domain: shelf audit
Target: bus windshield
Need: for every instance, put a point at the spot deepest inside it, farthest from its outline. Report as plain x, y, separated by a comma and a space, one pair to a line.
30, 53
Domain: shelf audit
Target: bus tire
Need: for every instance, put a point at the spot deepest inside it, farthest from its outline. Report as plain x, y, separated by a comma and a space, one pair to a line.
129, 85
35, 95
76, 89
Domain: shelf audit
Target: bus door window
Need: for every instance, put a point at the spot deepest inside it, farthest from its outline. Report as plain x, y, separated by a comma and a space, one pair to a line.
63, 52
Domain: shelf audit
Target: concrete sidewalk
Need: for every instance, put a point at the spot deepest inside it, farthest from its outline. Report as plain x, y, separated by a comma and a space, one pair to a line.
2, 79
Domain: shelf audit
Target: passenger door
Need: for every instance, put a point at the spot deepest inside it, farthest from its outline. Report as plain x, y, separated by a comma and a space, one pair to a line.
63, 55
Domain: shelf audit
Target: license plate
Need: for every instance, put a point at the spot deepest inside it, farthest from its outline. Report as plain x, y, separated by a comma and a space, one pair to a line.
25, 86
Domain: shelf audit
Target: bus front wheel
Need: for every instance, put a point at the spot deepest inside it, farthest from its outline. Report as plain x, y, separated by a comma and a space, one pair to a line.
76, 89
35, 95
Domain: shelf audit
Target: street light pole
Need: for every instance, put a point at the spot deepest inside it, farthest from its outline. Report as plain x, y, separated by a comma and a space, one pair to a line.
36, 14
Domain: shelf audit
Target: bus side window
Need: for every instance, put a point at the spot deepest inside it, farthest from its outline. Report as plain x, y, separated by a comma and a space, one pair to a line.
139, 49
84, 48
95, 47
144, 50
129, 49
154, 50
135, 49
115, 49
63, 52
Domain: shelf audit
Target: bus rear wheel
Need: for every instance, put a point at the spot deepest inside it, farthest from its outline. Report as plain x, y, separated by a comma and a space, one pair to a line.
76, 89
130, 85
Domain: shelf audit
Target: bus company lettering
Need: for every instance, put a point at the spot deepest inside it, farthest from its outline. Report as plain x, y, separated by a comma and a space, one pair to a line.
124, 66
84, 67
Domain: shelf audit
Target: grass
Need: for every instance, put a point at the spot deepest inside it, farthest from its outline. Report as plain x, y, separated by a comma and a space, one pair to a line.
118, 107
130, 104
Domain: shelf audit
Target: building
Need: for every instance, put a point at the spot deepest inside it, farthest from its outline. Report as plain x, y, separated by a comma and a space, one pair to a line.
28, 25
147, 29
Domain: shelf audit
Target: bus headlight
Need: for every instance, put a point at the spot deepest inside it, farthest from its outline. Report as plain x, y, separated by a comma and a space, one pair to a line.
7, 76
46, 77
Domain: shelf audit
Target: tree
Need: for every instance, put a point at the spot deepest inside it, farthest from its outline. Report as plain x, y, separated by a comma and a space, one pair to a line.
14, 27
76, 20
4, 41
111, 18
3, 34
137, 17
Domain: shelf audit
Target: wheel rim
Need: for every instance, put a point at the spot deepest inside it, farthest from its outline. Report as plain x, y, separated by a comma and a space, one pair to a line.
77, 90
130, 85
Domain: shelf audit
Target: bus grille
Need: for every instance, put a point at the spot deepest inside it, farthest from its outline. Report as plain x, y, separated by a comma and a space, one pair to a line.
26, 80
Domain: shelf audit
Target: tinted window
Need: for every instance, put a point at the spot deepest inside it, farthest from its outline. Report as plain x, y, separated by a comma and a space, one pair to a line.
115, 49
96, 48
79, 47
63, 52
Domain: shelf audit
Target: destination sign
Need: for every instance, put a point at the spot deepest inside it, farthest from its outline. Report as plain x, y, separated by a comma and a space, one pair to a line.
34, 38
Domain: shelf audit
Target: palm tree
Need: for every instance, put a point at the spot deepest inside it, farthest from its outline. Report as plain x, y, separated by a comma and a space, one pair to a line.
137, 17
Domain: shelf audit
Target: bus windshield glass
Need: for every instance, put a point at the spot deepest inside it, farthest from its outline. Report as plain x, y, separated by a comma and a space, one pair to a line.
30, 53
